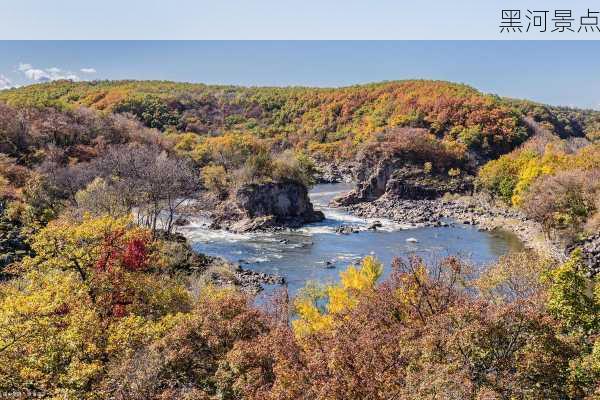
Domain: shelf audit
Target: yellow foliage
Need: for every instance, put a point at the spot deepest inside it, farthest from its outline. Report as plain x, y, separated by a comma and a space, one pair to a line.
409, 291
99, 198
133, 331
63, 245
49, 333
62, 319
214, 178
511, 175
453, 172
229, 150
515, 276
364, 277
339, 298
54, 335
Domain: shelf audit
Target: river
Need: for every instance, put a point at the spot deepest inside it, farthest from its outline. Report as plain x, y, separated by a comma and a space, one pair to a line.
317, 253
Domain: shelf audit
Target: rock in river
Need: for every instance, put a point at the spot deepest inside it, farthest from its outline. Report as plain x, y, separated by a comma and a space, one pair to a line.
266, 206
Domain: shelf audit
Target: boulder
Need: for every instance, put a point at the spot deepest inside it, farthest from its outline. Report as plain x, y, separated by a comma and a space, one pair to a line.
346, 229
590, 252
180, 221
374, 225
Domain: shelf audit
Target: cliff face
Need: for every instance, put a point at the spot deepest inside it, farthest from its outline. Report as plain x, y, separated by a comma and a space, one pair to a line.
266, 206
398, 178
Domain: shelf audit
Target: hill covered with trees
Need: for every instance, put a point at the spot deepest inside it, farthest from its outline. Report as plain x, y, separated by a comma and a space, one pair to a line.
327, 120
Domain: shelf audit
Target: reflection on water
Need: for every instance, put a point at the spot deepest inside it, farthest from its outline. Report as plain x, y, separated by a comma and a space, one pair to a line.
316, 252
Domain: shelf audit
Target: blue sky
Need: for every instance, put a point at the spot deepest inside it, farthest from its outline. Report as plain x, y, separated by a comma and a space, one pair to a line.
270, 19
554, 72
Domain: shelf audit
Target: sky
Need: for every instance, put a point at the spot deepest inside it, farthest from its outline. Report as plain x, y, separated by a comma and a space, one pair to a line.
273, 19
553, 72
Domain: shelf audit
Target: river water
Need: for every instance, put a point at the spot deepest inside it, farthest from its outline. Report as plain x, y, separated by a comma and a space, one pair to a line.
317, 253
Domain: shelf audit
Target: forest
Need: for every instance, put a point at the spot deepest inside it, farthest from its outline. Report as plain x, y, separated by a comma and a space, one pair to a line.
101, 298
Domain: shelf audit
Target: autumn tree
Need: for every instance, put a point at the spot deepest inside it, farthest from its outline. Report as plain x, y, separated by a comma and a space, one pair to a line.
149, 179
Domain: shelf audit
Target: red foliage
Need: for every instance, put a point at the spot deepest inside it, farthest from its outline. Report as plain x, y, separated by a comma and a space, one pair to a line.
110, 252
118, 310
135, 255
132, 254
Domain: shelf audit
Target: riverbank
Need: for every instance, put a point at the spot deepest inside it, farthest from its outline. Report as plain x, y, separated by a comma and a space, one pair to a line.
214, 270
467, 210
224, 273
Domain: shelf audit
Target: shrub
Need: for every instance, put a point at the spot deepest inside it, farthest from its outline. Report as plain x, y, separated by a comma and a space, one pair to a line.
453, 172
516, 276
99, 198
297, 167
215, 180
563, 201
416, 145
472, 137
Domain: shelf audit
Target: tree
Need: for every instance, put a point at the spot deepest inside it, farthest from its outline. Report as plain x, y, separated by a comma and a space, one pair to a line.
74, 247
189, 361
338, 298
89, 296
564, 201
571, 296
215, 180
100, 198
147, 178
515, 276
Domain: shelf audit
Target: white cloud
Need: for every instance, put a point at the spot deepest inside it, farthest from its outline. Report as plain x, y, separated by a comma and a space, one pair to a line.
37, 75
88, 70
46, 75
5, 83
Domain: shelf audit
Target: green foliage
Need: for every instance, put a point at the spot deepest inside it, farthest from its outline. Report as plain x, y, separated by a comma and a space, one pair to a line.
472, 136
572, 297
151, 110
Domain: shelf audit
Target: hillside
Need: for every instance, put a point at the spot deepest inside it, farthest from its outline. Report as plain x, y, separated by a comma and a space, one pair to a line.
330, 121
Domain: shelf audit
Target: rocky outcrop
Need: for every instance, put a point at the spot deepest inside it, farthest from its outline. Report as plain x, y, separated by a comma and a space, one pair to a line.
335, 172
266, 206
433, 212
478, 211
222, 273
590, 252
395, 177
